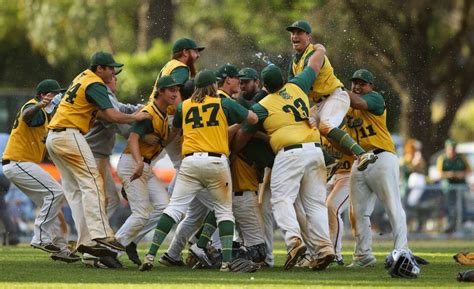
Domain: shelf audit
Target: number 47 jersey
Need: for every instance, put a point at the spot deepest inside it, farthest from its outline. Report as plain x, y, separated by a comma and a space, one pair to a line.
284, 116
75, 110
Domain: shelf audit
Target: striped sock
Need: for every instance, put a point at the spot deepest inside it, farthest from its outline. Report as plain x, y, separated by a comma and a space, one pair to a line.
226, 233
345, 140
165, 223
208, 229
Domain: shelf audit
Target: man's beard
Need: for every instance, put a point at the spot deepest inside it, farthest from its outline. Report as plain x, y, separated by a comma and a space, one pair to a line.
192, 68
248, 95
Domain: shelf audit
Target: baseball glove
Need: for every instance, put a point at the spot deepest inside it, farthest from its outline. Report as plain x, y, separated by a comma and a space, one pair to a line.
466, 276
464, 258
241, 265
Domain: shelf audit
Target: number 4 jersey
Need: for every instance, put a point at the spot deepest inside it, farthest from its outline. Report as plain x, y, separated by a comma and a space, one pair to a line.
284, 116
368, 127
80, 103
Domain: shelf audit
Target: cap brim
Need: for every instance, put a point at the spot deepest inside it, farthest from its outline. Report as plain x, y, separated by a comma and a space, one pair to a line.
118, 71
200, 48
291, 28
115, 64
356, 78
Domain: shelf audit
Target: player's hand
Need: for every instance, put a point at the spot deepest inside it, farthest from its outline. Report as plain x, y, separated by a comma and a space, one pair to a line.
46, 99
312, 121
137, 172
151, 139
142, 115
319, 46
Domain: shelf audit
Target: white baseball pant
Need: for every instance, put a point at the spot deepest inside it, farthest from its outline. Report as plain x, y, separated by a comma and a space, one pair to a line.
82, 184
112, 197
147, 198
248, 217
379, 180
332, 110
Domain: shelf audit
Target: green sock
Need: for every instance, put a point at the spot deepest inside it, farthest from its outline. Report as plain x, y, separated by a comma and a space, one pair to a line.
328, 158
165, 223
345, 140
226, 233
209, 227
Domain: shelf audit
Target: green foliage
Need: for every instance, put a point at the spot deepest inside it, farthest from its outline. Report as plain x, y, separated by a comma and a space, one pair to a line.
135, 82
462, 129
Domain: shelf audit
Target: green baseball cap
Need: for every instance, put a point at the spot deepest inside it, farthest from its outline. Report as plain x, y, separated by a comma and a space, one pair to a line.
227, 70
301, 25
248, 73
363, 74
186, 43
272, 77
204, 78
450, 142
166, 81
48, 85
105, 59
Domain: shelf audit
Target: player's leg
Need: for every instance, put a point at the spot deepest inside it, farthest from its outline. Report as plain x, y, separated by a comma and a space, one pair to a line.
362, 201
337, 202
246, 213
269, 227
303, 222
384, 178
112, 195
331, 113
313, 197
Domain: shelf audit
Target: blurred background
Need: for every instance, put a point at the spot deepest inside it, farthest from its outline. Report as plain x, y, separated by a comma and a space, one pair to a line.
421, 52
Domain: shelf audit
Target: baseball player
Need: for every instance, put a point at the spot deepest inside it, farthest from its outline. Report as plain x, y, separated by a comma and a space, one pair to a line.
204, 121
24, 151
146, 195
299, 169
367, 124
85, 99
101, 139
328, 93
228, 80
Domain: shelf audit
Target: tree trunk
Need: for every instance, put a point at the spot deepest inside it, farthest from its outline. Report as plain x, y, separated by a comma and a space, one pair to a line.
155, 20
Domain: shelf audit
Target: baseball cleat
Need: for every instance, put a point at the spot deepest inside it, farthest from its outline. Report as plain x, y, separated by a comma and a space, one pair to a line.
96, 250
365, 160
132, 254
65, 256
200, 254
147, 264
295, 252
368, 261
110, 242
304, 261
50, 247
225, 267
166, 260
322, 263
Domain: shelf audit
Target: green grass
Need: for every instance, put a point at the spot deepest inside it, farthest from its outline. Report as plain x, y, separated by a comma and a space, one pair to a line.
23, 267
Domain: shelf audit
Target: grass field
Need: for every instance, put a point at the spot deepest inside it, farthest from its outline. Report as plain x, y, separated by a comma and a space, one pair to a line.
23, 267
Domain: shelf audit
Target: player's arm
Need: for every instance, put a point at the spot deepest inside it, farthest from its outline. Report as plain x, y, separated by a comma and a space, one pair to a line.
97, 93
177, 126
372, 102
306, 78
247, 130
32, 114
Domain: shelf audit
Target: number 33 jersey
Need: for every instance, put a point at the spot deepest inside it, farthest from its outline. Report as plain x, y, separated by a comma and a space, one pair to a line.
284, 116
369, 129
78, 110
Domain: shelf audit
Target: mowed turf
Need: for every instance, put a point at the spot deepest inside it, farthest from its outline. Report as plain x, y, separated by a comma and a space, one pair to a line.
24, 267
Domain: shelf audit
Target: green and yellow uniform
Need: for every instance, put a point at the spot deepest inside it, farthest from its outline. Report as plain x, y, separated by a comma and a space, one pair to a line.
176, 69
325, 83
26, 139
223, 94
205, 124
346, 160
79, 105
369, 127
158, 126
457, 164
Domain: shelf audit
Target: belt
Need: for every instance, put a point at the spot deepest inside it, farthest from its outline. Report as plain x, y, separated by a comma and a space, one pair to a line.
208, 154
240, 194
5, 162
299, 146
377, 151
59, 129
148, 161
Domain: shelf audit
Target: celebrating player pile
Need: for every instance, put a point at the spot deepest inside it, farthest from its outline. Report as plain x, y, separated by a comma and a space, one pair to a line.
249, 159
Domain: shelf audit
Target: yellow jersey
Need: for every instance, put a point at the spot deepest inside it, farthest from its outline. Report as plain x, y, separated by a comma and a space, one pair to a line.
160, 128
244, 175
166, 71
223, 94
74, 110
325, 83
346, 160
204, 126
26, 143
287, 117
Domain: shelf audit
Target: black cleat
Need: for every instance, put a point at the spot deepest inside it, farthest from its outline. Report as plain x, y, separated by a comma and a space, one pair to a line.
132, 254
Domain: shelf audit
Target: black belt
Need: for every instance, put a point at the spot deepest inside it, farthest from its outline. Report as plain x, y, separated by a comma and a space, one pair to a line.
59, 129
240, 194
209, 154
5, 162
145, 160
299, 146
377, 151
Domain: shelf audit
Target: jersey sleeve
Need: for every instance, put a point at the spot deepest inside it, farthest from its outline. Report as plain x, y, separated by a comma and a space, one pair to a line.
375, 103
178, 116
260, 95
262, 114
97, 93
180, 74
142, 127
38, 118
234, 112
305, 79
